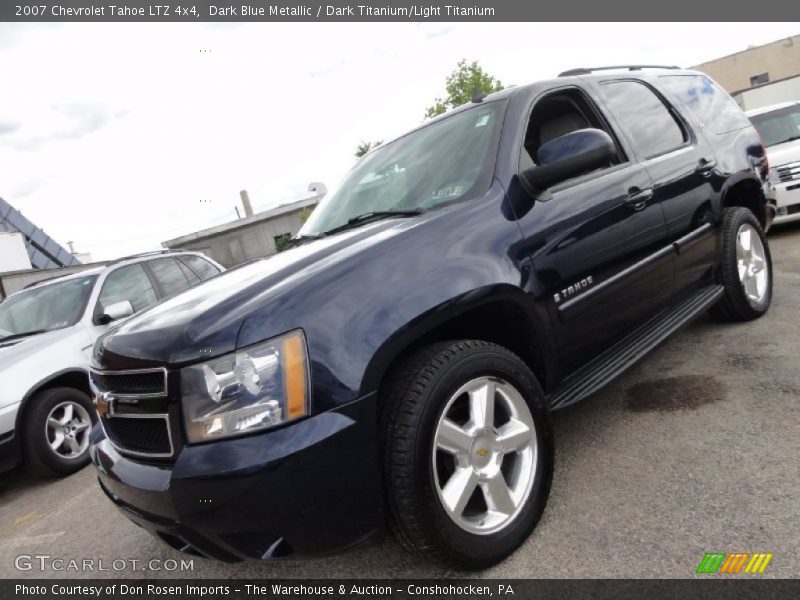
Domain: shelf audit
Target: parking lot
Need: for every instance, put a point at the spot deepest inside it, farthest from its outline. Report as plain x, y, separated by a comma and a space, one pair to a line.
695, 450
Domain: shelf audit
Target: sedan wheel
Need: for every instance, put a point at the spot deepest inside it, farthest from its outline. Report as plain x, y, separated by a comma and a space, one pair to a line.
67, 429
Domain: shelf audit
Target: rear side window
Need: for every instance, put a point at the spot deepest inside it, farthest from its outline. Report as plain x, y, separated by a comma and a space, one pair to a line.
169, 275
203, 268
128, 283
654, 128
711, 105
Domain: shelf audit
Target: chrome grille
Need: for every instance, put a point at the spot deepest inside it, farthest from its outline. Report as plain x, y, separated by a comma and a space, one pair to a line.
139, 383
134, 410
788, 172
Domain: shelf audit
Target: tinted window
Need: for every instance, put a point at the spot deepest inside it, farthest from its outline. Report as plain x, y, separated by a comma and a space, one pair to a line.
169, 275
128, 283
202, 267
190, 275
652, 126
45, 307
712, 106
778, 126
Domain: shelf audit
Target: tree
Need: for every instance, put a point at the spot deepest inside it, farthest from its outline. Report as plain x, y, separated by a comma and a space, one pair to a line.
305, 212
460, 86
365, 147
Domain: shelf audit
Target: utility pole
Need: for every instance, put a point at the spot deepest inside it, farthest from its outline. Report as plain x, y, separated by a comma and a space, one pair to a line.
248, 208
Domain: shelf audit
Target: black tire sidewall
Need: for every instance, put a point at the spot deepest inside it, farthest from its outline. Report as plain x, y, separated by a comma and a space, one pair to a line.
742, 306
473, 550
38, 455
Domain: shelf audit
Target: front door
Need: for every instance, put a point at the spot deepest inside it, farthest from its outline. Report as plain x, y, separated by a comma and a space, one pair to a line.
599, 243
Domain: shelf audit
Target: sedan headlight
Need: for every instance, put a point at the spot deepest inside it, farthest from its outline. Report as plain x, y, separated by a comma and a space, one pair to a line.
252, 389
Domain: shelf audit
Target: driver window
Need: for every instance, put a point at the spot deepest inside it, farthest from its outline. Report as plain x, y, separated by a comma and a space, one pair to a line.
559, 114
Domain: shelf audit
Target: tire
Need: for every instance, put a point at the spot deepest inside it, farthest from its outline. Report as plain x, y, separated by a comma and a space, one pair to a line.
75, 415
423, 391
745, 272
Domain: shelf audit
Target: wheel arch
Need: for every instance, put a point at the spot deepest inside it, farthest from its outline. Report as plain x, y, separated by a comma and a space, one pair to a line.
70, 378
500, 314
745, 190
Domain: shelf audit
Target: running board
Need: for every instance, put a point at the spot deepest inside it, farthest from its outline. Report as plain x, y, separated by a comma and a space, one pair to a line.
607, 366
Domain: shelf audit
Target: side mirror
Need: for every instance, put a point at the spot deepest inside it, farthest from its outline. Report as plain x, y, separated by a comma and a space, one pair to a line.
118, 310
567, 156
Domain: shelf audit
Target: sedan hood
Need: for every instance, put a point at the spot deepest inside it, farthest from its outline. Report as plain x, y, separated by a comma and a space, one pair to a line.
15, 350
204, 321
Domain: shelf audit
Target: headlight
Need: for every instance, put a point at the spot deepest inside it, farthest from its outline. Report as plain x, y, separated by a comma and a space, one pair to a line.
252, 389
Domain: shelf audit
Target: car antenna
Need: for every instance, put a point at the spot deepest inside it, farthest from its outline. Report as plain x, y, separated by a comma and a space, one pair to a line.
477, 94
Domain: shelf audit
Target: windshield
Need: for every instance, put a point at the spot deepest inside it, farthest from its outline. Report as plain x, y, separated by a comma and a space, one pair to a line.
444, 161
47, 307
778, 126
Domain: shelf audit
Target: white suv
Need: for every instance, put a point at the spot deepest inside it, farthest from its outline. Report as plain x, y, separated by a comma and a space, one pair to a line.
46, 336
779, 127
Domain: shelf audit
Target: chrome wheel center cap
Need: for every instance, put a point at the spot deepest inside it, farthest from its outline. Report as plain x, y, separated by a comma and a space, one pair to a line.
484, 455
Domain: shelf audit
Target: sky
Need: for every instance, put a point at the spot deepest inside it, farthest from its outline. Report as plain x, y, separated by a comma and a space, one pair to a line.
120, 136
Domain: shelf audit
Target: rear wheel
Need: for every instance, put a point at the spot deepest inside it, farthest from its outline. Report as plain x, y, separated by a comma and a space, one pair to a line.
468, 453
745, 267
56, 431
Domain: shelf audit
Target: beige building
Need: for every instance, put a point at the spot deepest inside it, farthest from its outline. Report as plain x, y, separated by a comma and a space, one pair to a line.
760, 65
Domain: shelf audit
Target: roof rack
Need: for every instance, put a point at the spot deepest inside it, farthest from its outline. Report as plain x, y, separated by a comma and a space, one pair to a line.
590, 70
143, 255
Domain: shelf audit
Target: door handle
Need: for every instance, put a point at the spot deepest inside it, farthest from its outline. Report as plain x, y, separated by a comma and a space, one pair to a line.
637, 198
705, 166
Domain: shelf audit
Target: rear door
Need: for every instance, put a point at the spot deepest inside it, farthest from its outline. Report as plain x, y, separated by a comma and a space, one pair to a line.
682, 166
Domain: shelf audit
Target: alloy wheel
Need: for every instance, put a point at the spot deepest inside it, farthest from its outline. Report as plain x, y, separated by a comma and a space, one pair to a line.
67, 429
485, 455
751, 263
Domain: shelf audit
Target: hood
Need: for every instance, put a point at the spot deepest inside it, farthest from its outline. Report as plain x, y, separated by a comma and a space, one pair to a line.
204, 321
783, 153
18, 349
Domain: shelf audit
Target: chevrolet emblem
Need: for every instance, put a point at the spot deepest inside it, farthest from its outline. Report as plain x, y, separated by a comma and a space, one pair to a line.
482, 452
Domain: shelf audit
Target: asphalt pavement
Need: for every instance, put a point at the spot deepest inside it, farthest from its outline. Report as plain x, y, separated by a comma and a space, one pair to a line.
695, 450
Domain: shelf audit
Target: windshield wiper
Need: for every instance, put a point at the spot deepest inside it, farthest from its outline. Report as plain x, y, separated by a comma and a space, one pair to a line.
791, 139
374, 216
14, 336
303, 239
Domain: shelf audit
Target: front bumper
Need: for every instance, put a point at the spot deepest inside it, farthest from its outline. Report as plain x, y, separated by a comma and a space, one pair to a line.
787, 201
309, 488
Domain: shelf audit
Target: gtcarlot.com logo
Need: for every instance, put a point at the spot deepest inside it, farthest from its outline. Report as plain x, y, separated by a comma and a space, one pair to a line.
735, 562
46, 562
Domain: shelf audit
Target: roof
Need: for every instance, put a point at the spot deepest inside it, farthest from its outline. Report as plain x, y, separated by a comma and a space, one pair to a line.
765, 109
265, 215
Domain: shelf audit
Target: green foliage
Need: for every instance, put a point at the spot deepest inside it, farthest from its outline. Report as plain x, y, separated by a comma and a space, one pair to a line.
281, 241
365, 147
305, 212
460, 86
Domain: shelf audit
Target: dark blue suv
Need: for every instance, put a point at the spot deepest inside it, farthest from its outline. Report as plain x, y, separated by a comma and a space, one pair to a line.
398, 363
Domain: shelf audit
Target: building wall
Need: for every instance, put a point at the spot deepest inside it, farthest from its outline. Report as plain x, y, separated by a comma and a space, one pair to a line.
13, 254
773, 93
780, 59
239, 245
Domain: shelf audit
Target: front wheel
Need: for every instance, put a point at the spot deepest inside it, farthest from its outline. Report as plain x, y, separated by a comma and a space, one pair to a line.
56, 430
468, 453
745, 267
